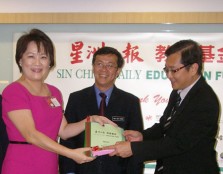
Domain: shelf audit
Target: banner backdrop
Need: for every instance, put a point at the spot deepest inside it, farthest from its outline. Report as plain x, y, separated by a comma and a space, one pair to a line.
142, 74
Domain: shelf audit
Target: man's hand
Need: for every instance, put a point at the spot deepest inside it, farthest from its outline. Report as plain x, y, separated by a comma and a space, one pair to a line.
101, 120
131, 135
122, 149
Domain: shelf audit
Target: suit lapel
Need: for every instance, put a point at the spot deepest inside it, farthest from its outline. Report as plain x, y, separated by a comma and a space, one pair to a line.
91, 101
191, 93
184, 103
113, 97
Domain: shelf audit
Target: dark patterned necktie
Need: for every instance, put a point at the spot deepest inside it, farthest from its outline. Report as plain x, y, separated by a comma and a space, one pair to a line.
174, 109
102, 104
159, 164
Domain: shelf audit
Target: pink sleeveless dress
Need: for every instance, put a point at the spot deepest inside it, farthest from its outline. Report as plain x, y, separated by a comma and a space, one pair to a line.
27, 158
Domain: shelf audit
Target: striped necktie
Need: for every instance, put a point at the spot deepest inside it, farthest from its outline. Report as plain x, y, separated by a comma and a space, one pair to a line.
159, 164
174, 109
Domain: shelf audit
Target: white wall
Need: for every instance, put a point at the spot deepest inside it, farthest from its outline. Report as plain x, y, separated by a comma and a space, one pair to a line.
31, 6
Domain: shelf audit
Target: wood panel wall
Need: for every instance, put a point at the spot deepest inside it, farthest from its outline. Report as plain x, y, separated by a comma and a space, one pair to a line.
113, 18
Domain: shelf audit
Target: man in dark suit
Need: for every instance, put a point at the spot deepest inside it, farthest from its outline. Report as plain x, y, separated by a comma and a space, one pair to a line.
3, 137
121, 107
184, 140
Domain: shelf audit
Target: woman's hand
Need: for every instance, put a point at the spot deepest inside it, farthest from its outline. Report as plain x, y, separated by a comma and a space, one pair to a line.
79, 155
101, 120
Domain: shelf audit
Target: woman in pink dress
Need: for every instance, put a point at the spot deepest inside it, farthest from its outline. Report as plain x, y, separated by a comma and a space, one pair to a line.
33, 113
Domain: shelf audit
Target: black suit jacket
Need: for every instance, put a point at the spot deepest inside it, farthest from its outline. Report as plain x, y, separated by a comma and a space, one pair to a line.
3, 137
82, 104
189, 144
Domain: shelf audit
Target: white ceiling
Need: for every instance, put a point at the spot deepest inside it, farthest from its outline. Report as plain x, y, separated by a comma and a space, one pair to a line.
32, 6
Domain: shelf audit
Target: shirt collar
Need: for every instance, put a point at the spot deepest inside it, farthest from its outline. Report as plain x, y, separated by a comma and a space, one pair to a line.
185, 91
107, 93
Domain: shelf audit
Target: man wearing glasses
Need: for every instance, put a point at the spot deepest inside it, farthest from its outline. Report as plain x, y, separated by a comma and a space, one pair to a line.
183, 142
121, 107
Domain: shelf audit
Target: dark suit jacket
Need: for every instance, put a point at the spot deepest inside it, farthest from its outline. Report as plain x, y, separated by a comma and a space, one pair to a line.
82, 104
188, 147
3, 137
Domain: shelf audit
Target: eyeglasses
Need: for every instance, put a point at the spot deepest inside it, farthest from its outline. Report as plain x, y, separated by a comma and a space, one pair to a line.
100, 65
166, 70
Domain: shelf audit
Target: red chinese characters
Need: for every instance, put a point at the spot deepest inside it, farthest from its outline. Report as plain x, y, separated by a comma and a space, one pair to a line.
210, 53
160, 50
131, 54
76, 52
220, 55
91, 50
